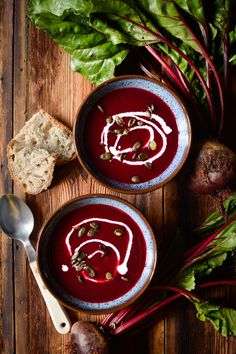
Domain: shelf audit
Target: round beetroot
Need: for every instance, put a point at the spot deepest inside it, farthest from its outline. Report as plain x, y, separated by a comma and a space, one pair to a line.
214, 168
86, 338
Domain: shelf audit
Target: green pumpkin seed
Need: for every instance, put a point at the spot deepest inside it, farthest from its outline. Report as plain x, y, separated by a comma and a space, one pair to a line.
126, 131
152, 145
135, 179
137, 146
81, 255
94, 225
109, 120
80, 279
109, 276
82, 231
80, 266
106, 156
100, 108
90, 271
119, 232
148, 165
119, 120
124, 278
75, 255
118, 131
131, 122
142, 156
122, 156
91, 232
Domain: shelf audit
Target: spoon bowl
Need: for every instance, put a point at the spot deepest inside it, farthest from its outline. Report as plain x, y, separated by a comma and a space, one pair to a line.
16, 218
17, 222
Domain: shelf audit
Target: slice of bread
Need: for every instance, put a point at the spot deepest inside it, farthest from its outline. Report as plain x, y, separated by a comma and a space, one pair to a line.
45, 132
32, 154
31, 168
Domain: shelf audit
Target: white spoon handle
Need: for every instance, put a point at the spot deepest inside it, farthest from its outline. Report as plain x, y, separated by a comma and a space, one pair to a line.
58, 315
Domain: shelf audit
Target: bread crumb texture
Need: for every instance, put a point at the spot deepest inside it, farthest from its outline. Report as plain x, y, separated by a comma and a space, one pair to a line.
32, 154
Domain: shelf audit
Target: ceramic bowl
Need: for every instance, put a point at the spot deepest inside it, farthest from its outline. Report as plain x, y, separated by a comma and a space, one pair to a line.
101, 136
134, 263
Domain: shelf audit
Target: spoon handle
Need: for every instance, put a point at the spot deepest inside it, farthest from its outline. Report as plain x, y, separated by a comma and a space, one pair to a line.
58, 315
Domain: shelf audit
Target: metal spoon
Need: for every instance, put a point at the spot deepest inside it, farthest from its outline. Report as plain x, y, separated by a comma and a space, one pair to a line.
17, 222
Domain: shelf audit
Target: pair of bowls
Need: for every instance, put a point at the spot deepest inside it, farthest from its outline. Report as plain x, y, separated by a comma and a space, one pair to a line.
133, 135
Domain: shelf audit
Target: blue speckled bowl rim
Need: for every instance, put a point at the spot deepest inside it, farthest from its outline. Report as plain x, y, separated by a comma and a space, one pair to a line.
131, 295
173, 102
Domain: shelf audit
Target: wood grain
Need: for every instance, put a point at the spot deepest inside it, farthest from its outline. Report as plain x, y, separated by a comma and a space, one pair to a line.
35, 73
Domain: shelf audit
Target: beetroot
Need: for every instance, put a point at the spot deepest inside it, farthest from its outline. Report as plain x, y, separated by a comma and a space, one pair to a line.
214, 168
86, 338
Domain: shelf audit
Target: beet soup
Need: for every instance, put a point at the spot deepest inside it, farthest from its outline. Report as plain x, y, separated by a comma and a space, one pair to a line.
131, 135
93, 253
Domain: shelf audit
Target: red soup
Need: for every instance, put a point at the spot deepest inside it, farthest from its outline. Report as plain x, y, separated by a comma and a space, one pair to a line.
93, 253
130, 135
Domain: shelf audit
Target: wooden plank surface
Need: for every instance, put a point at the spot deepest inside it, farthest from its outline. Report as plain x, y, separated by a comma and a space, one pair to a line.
35, 74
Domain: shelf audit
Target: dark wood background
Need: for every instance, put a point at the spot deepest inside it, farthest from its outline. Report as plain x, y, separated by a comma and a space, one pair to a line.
35, 73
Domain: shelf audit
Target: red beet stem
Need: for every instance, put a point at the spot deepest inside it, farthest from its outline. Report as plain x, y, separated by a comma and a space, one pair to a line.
144, 315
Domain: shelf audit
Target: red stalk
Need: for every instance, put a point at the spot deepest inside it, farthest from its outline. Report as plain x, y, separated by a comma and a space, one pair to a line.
161, 305
212, 66
144, 315
161, 38
168, 69
193, 253
205, 243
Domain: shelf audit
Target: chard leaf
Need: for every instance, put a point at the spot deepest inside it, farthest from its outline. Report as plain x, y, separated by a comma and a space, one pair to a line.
213, 257
92, 55
166, 15
222, 318
98, 63
221, 12
216, 219
188, 278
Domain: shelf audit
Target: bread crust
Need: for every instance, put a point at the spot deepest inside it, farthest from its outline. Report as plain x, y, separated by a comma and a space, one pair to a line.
41, 137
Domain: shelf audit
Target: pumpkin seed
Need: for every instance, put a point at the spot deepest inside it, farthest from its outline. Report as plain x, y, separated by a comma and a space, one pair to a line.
90, 271
148, 165
126, 131
137, 146
142, 156
124, 278
82, 231
150, 110
109, 120
122, 156
135, 179
81, 255
109, 276
91, 232
118, 131
106, 156
119, 120
80, 279
131, 122
105, 250
100, 108
94, 225
75, 227
75, 255
152, 145
80, 266
119, 232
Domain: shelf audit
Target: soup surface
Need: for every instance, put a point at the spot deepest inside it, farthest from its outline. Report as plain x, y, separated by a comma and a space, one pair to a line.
130, 135
97, 253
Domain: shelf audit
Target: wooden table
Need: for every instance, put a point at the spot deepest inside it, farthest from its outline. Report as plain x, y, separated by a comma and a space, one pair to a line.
36, 74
